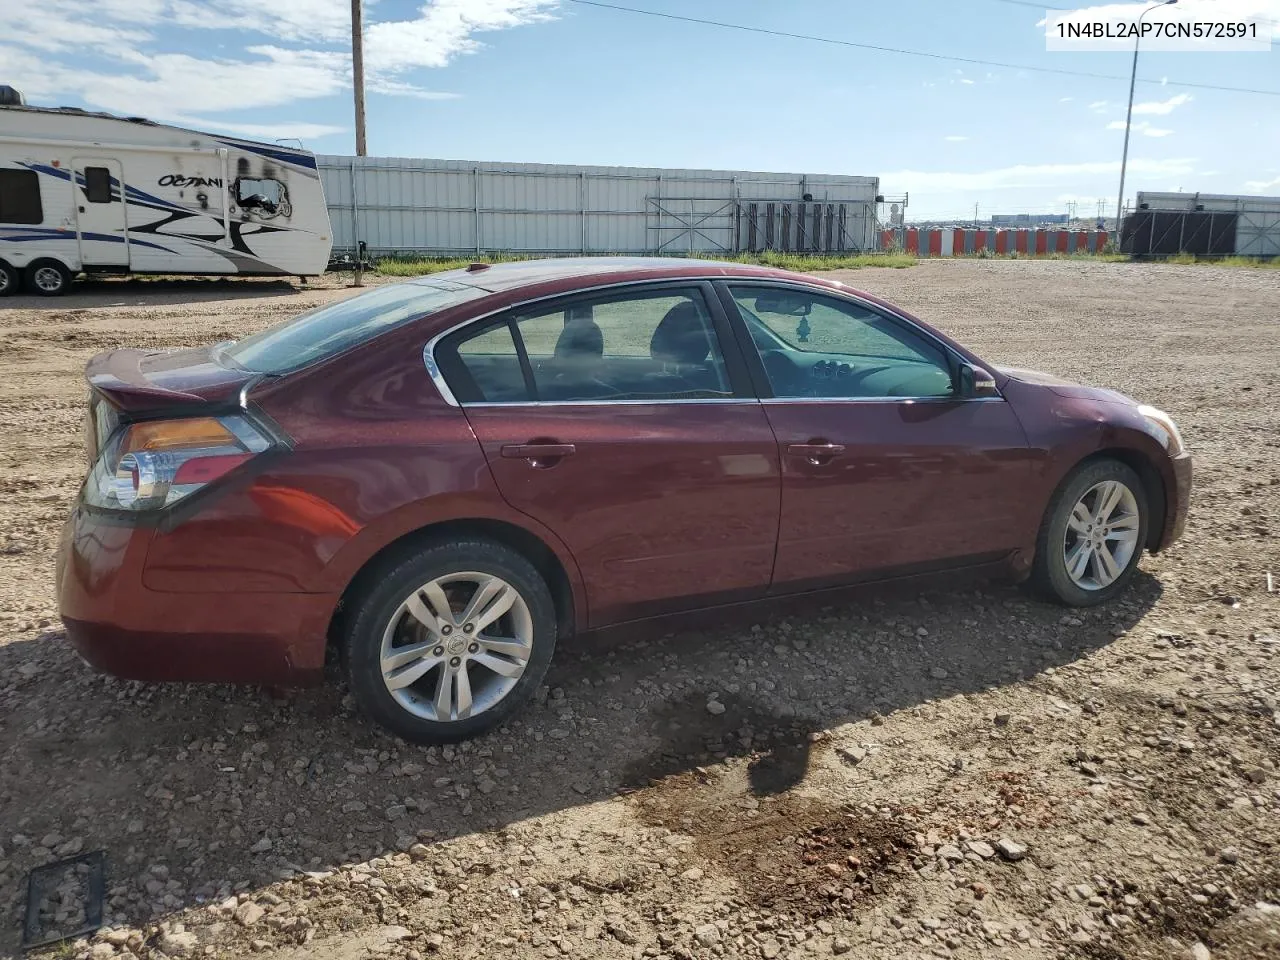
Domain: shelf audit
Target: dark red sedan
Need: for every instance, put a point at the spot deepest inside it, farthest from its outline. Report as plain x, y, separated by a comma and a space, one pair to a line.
443, 476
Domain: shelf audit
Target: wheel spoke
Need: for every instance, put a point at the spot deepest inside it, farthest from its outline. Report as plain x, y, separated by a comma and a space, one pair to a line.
1105, 567
464, 692
512, 648
1080, 518
1109, 495
485, 593
499, 604
400, 656
1078, 559
499, 666
435, 594
1126, 522
443, 701
422, 613
412, 673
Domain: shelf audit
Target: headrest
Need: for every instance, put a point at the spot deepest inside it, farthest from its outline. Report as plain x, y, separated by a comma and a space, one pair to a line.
682, 336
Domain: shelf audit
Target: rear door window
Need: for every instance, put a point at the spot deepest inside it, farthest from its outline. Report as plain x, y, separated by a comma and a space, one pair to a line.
642, 345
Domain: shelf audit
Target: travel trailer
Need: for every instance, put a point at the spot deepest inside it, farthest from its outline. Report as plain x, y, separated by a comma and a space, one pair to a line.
94, 193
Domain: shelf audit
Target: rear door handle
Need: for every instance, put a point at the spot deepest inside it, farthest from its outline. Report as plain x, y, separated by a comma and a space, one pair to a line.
817, 452
539, 454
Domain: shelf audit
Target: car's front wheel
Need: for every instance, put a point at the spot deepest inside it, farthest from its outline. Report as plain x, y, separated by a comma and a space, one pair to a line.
1092, 535
444, 643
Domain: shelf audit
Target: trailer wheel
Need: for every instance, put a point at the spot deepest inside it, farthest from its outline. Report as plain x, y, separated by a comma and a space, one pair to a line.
8, 280
48, 278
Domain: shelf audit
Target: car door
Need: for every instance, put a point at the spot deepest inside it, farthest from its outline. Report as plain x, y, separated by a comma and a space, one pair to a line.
624, 422
885, 469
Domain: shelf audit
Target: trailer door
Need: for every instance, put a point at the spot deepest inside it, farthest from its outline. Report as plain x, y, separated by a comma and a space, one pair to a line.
100, 213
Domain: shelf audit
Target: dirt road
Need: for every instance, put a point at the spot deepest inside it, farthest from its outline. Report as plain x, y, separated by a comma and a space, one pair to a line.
966, 774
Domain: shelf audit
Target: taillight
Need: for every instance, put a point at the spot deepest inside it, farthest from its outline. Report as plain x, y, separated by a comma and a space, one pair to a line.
148, 465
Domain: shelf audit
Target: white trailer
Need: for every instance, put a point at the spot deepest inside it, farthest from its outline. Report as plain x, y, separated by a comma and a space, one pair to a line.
95, 193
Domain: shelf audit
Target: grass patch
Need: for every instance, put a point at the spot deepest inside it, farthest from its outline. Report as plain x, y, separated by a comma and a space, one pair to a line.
1187, 259
803, 263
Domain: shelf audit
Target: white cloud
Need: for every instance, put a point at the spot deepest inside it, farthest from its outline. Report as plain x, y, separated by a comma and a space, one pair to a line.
1065, 99
1162, 107
1143, 127
118, 55
1098, 106
1031, 175
967, 82
955, 138
1258, 186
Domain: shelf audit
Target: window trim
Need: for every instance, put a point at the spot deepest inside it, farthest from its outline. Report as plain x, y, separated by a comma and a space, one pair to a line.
740, 383
760, 378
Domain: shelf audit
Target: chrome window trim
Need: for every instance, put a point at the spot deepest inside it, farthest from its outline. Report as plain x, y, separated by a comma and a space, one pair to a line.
433, 368
605, 401
770, 400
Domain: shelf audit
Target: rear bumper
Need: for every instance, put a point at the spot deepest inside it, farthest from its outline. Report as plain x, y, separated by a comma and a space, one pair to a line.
1178, 501
121, 628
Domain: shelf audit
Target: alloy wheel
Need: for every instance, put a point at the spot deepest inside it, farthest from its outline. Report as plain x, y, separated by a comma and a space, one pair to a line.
48, 279
1102, 535
456, 646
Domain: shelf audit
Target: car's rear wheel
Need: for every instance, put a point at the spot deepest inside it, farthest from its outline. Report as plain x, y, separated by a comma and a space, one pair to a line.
1092, 534
8, 280
446, 642
49, 278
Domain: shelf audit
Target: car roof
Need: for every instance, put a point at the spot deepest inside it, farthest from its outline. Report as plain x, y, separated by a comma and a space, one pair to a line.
567, 274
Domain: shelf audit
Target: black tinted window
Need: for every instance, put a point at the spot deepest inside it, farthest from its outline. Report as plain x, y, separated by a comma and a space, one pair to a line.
20, 197
97, 184
340, 326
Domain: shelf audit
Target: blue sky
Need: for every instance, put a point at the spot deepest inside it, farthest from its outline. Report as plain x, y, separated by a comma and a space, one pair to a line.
559, 81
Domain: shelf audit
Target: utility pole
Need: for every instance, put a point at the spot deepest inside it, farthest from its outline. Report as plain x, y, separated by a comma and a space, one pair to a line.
357, 70
975, 216
1128, 118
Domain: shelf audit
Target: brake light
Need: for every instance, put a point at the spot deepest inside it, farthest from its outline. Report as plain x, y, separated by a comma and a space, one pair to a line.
148, 465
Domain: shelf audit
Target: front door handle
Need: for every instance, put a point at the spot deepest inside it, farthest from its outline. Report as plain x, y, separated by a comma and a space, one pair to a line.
538, 454
816, 452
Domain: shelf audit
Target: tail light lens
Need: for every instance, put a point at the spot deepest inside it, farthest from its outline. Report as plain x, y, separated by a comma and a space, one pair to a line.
149, 465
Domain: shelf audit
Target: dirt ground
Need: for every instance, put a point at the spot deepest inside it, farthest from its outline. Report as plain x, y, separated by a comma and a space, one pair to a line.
966, 773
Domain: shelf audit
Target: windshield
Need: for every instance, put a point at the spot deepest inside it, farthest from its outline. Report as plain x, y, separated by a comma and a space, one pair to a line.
329, 330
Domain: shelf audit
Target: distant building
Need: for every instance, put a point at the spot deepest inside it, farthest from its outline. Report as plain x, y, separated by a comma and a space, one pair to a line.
1027, 219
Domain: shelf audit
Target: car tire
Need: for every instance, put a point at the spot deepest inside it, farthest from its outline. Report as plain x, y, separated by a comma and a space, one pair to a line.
9, 280
48, 278
494, 665
1069, 566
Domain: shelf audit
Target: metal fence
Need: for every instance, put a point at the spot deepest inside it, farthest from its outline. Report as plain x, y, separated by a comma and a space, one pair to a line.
1204, 225
440, 207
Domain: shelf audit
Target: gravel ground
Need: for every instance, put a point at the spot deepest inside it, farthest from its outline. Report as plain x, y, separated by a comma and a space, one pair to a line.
964, 773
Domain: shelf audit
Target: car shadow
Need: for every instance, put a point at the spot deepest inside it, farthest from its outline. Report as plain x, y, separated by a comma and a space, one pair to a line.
230, 789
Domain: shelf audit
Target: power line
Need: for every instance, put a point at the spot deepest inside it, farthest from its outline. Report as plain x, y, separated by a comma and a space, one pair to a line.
911, 53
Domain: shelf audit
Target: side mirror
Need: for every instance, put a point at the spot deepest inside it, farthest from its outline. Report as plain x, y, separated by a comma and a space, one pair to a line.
975, 382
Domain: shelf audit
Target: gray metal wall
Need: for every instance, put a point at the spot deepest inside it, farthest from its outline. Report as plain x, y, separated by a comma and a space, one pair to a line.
437, 207
1257, 218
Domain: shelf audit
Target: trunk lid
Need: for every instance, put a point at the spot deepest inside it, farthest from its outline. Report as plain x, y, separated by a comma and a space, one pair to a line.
127, 384
135, 381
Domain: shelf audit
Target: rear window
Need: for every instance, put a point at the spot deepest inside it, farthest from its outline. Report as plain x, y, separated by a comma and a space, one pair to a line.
329, 330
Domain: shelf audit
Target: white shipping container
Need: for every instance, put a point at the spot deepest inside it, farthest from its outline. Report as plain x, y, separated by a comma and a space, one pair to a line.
401, 205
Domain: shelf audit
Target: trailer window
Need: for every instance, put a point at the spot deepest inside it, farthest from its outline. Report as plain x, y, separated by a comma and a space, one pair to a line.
97, 184
20, 197
266, 196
